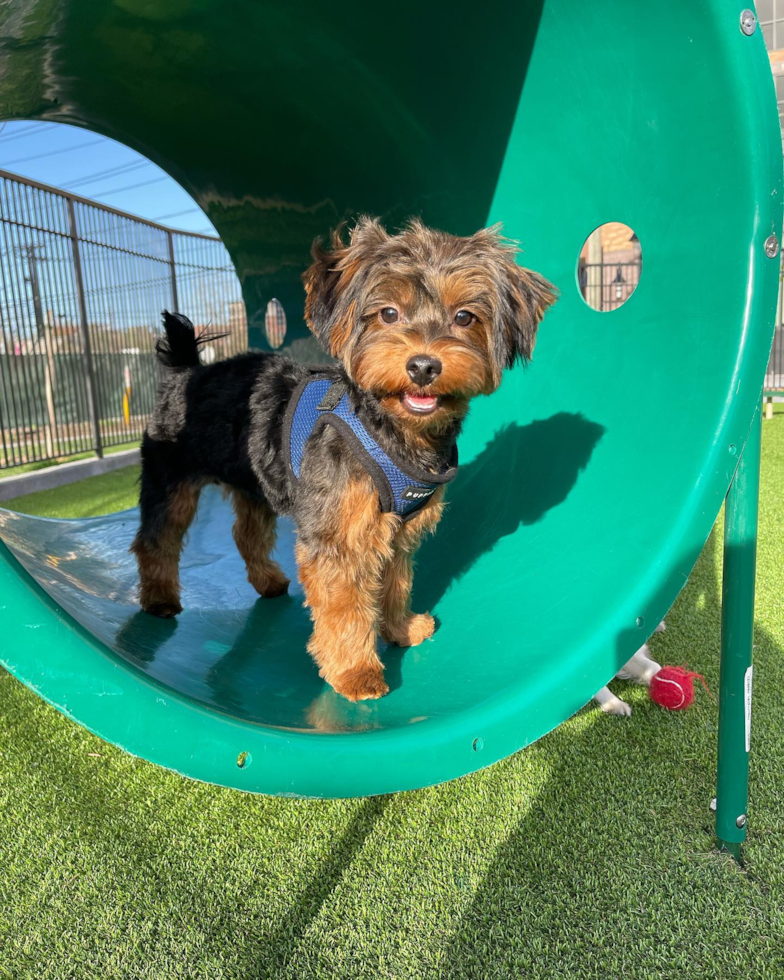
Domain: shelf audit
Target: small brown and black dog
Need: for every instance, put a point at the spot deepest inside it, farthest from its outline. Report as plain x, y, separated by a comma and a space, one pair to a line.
418, 323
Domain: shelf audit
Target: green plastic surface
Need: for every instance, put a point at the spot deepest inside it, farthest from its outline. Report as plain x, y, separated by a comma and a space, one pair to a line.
579, 509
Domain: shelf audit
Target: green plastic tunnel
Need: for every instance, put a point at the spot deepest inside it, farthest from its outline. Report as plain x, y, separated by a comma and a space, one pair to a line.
588, 482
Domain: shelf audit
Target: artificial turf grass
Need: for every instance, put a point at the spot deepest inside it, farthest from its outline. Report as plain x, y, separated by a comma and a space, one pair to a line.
587, 855
96, 495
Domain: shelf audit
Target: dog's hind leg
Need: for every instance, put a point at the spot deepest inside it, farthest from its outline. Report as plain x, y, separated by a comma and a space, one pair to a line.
255, 534
166, 514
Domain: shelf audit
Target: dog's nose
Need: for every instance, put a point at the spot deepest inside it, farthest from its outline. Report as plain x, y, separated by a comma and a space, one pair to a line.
423, 369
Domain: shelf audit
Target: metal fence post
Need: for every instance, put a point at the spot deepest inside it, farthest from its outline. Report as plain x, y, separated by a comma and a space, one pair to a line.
737, 631
87, 357
173, 268
595, 270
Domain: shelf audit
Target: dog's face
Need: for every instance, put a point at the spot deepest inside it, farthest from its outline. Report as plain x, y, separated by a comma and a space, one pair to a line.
424, 320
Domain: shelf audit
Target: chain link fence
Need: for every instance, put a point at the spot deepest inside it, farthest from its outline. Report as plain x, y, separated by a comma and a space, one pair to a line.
82, 287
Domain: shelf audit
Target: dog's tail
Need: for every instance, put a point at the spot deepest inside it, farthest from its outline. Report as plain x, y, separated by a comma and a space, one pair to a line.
180, 347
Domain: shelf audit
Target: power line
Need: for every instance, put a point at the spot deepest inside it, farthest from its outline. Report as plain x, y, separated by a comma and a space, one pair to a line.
34, 125
130, 187
174, 214
110, 172
52, 153
103, 174
32, 131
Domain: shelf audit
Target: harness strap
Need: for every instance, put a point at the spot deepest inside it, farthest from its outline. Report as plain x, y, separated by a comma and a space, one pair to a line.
319, 401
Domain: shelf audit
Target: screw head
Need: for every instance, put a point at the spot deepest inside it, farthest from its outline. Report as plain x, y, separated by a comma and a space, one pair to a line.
741, 821
771, 246
713, 805
748, 22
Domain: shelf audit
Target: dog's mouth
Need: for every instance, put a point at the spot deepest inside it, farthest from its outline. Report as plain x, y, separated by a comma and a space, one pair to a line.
420, 404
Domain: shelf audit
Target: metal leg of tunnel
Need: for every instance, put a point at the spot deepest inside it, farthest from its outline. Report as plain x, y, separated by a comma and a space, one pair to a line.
737, 629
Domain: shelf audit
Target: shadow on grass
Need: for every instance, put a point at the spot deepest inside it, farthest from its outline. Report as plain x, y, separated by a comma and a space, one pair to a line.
283, 942
557, 903
609, 857
88, 801
609, 871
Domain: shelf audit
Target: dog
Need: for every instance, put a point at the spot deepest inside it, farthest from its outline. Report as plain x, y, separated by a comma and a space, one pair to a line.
357, 453
641, 668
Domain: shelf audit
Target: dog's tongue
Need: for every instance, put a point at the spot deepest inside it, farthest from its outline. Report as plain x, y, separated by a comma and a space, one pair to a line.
424, 403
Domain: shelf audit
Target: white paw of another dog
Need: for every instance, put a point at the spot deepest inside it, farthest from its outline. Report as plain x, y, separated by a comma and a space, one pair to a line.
617, 707
611, 704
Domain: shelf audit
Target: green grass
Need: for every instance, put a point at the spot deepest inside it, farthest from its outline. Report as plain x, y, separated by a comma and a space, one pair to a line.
588, 855
104, 494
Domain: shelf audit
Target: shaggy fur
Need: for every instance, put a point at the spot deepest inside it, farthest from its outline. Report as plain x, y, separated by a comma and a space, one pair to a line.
419, 323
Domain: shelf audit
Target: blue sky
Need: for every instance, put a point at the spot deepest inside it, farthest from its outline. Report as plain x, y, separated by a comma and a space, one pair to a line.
99, 168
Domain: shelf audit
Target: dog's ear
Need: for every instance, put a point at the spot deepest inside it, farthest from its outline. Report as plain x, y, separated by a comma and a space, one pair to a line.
526, 299
334, 280
523, 299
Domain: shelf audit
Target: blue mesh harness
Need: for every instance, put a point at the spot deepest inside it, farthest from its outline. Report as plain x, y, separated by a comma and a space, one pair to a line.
320, 401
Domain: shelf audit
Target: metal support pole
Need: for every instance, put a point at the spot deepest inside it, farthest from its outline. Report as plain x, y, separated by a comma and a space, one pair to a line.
737, 630
173, 269
87, 357
595, 271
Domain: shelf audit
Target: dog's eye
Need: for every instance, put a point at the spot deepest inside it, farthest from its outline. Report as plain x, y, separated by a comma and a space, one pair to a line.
464, 319
389, 314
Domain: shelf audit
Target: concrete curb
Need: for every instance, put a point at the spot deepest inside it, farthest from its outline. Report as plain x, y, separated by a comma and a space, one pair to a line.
59, 476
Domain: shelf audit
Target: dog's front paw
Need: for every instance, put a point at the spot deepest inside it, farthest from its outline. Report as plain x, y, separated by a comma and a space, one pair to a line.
412, 631
615, 706
361, 683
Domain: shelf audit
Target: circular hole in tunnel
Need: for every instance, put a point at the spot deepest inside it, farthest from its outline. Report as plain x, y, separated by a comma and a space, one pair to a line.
609, 266
275, 323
